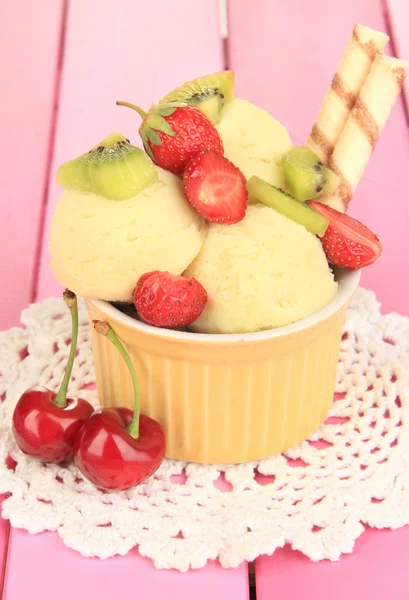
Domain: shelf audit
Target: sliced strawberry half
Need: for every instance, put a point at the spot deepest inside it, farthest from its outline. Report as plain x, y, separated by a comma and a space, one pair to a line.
347, 243
216, 188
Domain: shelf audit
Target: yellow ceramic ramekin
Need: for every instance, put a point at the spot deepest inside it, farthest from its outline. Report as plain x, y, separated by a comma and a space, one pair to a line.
226, 398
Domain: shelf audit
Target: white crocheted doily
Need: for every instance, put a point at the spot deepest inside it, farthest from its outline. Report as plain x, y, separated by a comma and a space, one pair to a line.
317, 497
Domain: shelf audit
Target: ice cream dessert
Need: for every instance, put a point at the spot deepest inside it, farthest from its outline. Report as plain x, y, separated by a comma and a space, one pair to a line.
220, 226
220, 198
113, 243
254, 141
274, 266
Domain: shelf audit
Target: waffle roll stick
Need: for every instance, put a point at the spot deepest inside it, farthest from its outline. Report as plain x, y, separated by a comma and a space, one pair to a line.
359, 54
364, 125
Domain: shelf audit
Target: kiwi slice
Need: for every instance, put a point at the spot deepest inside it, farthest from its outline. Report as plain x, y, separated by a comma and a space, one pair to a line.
114, 169
306, 175
287, 205
209, 94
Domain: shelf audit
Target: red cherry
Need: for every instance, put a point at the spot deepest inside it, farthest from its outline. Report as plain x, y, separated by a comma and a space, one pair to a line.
110, 457
45, 430
117, 449
45, 423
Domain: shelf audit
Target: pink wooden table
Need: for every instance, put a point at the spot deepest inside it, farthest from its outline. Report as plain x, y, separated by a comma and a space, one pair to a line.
63, 63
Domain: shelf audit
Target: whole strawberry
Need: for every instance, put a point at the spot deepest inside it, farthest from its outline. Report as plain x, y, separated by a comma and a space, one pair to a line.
172, 133
165, 300
347, 243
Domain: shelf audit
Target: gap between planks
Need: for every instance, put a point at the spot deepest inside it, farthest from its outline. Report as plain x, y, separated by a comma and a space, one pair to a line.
251, 574
40, 230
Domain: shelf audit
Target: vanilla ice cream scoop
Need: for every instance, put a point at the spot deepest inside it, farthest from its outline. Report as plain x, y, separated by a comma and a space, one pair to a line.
254, 141
264, 272
99, 248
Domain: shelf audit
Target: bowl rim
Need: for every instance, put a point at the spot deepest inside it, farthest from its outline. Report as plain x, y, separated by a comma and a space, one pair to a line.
348, 282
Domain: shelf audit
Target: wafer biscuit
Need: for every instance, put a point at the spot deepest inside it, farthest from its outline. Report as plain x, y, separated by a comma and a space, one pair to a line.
359, 54
364, 125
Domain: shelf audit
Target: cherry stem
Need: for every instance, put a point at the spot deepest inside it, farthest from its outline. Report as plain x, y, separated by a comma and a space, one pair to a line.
70, 300
104, 328
140, 112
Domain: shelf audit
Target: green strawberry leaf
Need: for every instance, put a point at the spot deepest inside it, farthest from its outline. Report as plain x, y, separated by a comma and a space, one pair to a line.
166, 111
174, 103
153, 137
157, 122
148, 151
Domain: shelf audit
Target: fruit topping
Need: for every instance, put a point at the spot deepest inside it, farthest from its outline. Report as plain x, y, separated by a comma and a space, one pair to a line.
287, 205
172, 134
210, 94
306, 175
45, 423
114, 169
116, 448
347, 243
165, 300
216, 188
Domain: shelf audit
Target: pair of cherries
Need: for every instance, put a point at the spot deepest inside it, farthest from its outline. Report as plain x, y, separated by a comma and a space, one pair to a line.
114, 448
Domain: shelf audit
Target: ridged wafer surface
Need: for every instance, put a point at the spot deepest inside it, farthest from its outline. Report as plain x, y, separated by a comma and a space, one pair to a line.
359, 54
364, 125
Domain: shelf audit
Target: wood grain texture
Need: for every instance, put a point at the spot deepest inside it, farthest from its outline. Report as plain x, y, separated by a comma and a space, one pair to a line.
135, 51
29, 49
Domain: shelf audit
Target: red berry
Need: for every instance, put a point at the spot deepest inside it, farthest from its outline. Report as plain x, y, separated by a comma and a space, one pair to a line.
216, 188
172, 134
347, 243
47, 431
194, 132
45, 424
165, 300
110, 457
117, 448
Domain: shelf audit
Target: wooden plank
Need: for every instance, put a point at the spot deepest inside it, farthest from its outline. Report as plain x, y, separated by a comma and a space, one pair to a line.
52, 571
136, 51
30, 50
284, 58
377, 569
398, 15
129, 50
29, 47
385, 276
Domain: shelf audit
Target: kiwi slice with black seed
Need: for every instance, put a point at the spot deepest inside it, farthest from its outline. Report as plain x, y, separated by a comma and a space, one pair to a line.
209, 94
306, 175
113, 168
287, 205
